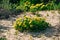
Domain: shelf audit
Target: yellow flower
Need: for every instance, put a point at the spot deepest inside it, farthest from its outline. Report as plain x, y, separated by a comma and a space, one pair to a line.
37, 18
42, 6
31, 25
20, 23
46, 5
30, 21
27, 2
32, 7
41, 3
18, 19
37, 5
14, 24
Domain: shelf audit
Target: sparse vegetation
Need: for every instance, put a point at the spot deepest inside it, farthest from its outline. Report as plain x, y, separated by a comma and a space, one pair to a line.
40, 5
30, 24
30, 5
31, 18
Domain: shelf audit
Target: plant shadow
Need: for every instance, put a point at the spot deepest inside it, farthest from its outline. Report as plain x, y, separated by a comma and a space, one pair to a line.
4, 28
49, 32
6, 14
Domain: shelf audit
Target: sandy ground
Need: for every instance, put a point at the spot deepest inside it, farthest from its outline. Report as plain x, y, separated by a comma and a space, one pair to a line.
52, 33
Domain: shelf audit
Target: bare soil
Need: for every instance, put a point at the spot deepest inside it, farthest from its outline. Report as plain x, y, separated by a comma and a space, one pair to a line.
52, 33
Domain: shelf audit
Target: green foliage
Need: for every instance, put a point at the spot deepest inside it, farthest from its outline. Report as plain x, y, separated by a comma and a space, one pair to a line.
3, 38
5, 4
50, 6
34, 5
30, 24
58, 6
25, 5
37, 7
